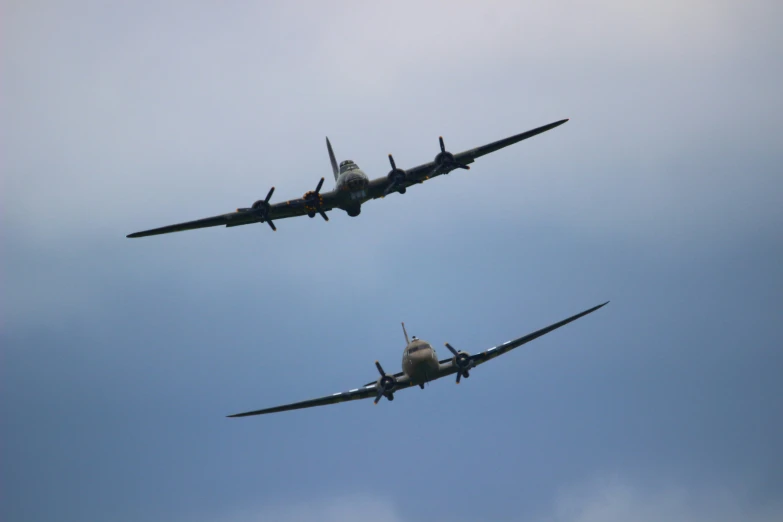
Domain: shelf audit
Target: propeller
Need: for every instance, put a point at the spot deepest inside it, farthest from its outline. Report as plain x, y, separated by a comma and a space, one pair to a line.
446, 160
313, 201
396, 178
261, 209
461, 362
385, 384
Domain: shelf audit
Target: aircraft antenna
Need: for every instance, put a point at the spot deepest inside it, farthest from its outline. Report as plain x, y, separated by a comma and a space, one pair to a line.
407, 342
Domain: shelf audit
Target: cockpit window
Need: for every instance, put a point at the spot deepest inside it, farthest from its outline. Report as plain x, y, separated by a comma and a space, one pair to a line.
347, 165
414, 349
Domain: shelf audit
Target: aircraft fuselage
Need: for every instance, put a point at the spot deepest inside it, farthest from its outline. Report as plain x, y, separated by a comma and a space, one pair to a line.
351, 186
420, 361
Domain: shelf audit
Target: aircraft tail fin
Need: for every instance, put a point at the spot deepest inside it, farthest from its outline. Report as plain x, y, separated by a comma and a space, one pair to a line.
407, 342
335, 171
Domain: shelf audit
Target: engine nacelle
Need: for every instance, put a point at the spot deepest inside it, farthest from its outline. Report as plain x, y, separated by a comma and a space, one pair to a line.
386, 383
445, 161
396, 178
396, 175
461, 361
312, 201
445, 158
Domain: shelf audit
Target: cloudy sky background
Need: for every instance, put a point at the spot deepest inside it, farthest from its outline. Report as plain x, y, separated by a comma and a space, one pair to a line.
121, 357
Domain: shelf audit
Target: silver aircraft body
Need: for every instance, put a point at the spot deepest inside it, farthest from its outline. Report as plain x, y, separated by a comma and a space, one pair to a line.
420, 365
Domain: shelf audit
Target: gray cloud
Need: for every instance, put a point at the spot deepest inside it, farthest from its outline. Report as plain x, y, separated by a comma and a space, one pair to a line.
609, 498
614, 499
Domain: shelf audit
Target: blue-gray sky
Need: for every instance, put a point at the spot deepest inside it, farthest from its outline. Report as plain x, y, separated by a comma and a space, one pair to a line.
121, 357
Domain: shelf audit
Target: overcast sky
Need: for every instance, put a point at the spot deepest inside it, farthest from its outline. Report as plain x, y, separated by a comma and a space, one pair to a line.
121, 358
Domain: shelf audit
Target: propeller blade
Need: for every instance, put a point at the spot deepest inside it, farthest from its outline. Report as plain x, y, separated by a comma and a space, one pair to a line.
378, 397
459, 376
269, 195
451, 349
391, 188
466, 167
391, 160
442, 146
323, 214
380, 369
320, 184
271, 225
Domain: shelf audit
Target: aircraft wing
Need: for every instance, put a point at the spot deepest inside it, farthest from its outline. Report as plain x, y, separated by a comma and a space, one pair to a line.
380, 187
448, 368
282, 210
365, 392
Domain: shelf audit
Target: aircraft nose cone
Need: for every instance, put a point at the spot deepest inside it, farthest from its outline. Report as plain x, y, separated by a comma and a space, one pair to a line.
356, 182
422, 355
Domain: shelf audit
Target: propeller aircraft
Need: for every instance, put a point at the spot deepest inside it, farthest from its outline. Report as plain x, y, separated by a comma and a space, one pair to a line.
420, 365
352, 188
